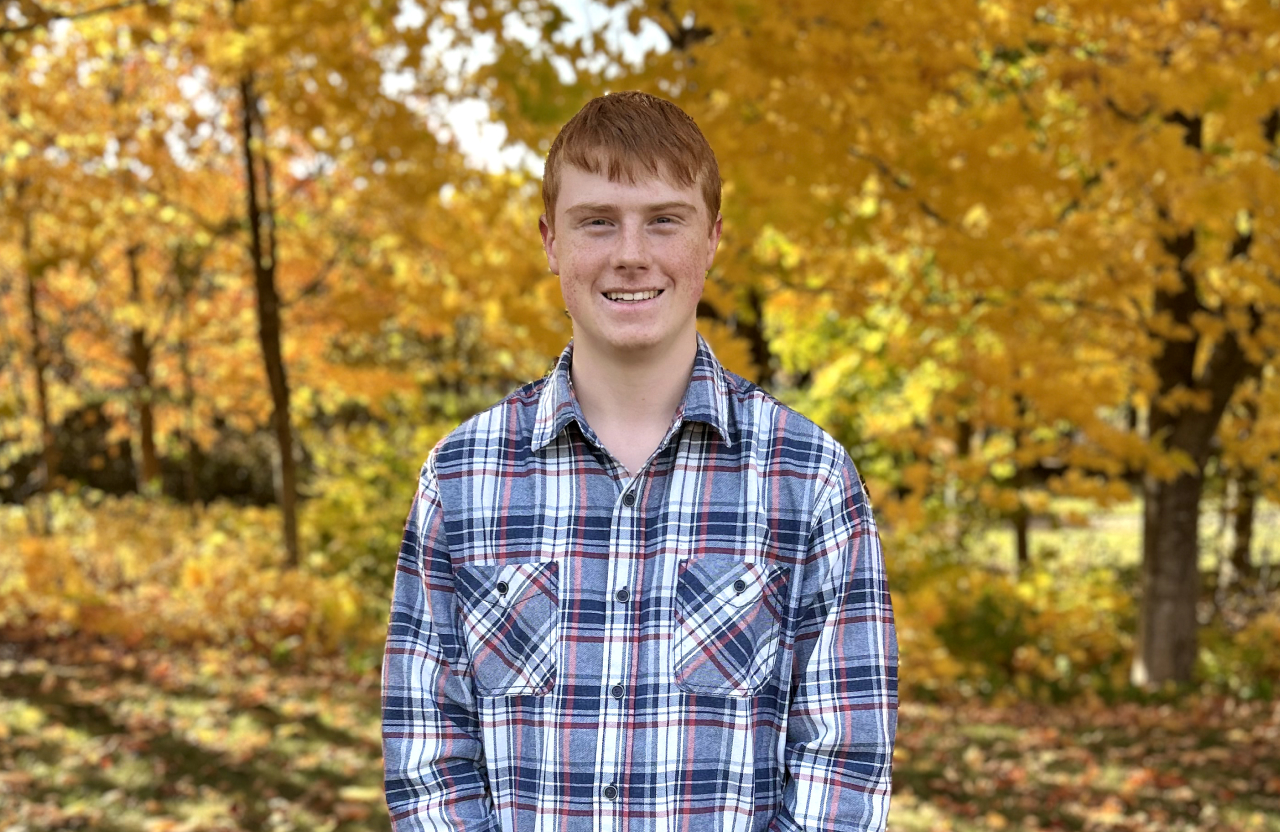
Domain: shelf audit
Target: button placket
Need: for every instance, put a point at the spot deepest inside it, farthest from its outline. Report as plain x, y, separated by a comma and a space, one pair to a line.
622, 594
617, 658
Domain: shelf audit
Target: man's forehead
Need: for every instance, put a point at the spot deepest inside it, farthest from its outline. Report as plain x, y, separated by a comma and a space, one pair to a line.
580, 185
629, 171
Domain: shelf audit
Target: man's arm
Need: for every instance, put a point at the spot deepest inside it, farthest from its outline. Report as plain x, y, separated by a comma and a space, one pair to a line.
844, 698
435, 778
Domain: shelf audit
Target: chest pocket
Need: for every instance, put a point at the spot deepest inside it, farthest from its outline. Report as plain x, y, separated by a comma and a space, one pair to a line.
510, 619
728, 621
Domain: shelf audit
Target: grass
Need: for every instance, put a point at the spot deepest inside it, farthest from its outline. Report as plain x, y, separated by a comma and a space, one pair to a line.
97, 738
95, 735
1113, 537
1209, 764
100, 739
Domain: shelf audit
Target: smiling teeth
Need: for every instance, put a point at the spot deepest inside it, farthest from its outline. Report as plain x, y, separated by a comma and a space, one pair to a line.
631, 296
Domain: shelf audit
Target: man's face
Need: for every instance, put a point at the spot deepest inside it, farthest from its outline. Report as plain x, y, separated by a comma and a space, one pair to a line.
631, 258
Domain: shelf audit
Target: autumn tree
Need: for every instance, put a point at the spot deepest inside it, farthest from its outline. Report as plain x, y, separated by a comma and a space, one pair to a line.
1005, 252
1068, 204
44, 188
244, 122
102, 145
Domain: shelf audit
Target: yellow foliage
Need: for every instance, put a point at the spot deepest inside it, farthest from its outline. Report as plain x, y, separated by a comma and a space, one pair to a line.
966, 631
731, 350
957, 232
144, 573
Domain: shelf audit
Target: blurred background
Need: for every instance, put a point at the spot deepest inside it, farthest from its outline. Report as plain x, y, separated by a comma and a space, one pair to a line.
1021, 258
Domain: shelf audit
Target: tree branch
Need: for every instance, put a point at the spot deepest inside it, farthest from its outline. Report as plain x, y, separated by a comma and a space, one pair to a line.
43, 17
900, 181
1228, 368
1194, 125
1133, 118
1271, 127
682, 37
313, 285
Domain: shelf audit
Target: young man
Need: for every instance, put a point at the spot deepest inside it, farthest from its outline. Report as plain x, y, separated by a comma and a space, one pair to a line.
638, 594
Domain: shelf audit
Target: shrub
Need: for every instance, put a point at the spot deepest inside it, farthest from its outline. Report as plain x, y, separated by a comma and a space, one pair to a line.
364, 483
142, 571
1244, 660
969, 631
148, 572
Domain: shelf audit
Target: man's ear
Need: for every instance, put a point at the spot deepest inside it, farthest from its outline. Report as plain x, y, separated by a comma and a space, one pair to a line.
549, 243
716, 228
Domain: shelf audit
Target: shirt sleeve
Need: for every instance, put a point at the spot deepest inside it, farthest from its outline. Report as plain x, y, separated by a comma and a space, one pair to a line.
431, 736
844, 688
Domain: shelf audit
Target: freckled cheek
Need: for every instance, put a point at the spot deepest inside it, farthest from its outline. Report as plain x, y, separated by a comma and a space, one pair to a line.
581, 264
688, 265
578, 280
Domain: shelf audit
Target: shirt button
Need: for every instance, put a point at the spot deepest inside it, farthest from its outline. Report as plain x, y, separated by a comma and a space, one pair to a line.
610, 792
628, 499
502, 587
622, 595
617, 691
739, 586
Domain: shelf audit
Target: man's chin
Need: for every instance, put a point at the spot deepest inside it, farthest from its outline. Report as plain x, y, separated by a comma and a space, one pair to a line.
624, 345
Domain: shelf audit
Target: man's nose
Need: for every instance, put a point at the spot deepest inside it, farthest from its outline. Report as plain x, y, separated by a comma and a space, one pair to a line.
632, 251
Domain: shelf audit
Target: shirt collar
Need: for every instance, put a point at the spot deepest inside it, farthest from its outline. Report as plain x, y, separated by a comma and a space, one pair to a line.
706, 399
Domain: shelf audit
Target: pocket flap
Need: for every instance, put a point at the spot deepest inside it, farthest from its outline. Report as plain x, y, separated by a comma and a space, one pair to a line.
728, 582
727, 618
510, 619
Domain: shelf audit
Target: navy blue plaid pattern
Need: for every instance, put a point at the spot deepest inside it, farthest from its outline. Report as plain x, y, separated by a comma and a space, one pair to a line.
510, 616
727, 621
705, 646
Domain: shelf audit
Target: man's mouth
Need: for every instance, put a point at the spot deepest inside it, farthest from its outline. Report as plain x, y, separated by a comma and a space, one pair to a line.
632, 297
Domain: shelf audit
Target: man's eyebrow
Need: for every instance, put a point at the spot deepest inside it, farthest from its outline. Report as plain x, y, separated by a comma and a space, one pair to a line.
672, 206
591, 208
605, 207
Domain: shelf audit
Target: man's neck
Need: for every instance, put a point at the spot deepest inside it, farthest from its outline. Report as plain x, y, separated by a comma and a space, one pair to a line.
629, 401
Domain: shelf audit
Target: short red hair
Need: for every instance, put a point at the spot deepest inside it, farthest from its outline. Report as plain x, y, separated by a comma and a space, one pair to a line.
633, 135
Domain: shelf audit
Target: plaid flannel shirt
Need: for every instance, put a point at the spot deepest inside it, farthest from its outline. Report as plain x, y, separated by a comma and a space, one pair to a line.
708, 645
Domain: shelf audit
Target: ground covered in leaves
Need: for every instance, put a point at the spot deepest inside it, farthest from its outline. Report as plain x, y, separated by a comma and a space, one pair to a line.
93, 737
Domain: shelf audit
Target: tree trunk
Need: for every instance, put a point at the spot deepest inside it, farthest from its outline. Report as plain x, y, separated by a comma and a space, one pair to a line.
1242, 520
47, 468
1022, 538
1019, 483
186, 272
262, 250
148, 463
753, 331
1166, 649
1170, 580
189, 479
